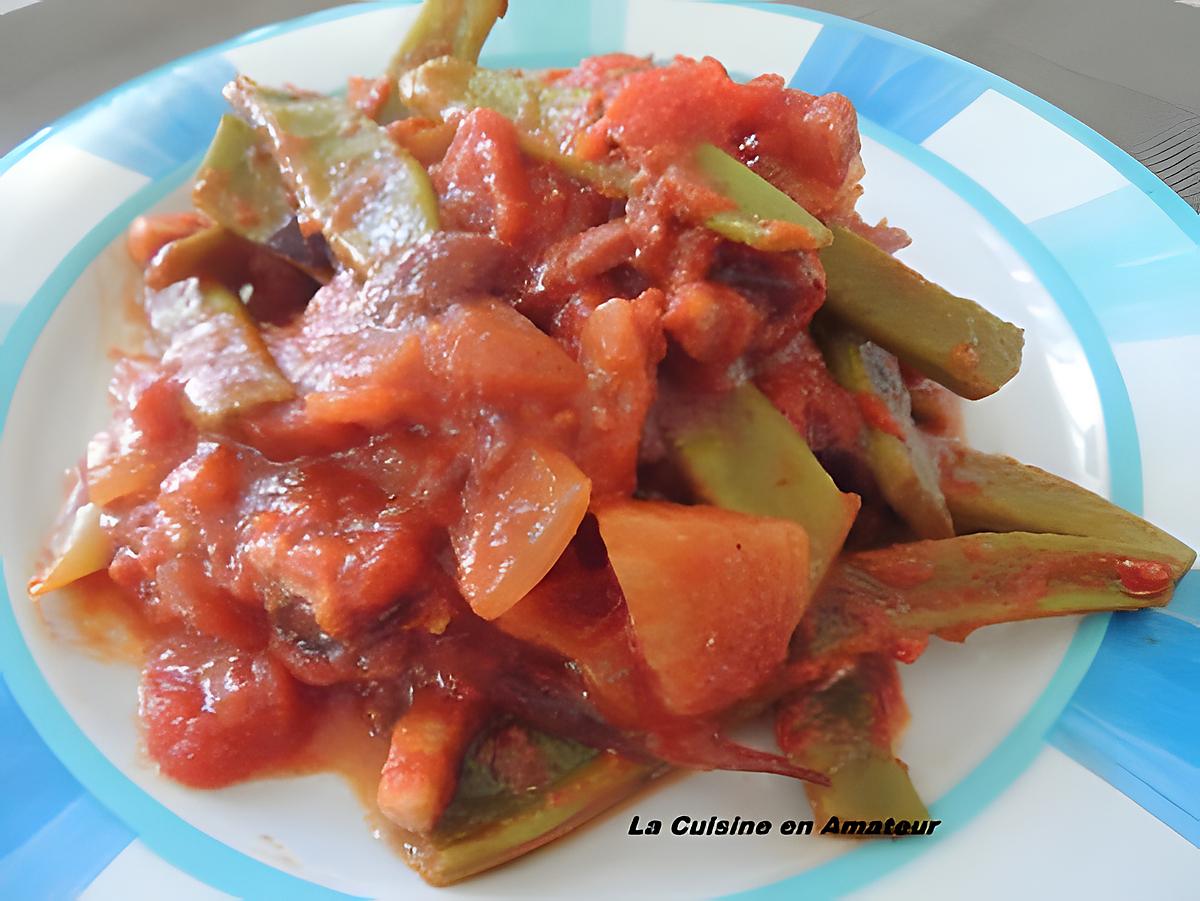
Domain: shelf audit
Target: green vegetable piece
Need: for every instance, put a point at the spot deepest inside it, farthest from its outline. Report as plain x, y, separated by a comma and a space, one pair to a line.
455, 28
891, 600
547, 116
371, 198
482, 796
847, 730
952, 340
272, 286
896, 452
742, 454
239, 184
550, 115
765, 217
208, 333
610, 179
994, 493
212, 254
486, 826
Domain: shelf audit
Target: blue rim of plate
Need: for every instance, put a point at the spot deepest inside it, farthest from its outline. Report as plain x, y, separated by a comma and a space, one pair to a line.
210, 860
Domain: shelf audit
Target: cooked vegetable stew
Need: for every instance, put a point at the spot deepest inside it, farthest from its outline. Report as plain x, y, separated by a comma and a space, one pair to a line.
541, 427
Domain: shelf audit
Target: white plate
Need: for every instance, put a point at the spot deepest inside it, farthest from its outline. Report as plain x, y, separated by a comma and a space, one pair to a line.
991, 184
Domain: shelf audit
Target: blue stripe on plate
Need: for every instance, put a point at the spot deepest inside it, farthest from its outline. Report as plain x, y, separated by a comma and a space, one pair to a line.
45, 811
1146, 282
33, 784
562, 33
66, 854
899, 86
156, 125
1135, 719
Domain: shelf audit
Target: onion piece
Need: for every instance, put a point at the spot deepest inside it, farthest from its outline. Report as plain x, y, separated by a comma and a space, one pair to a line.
518, 521
80, 549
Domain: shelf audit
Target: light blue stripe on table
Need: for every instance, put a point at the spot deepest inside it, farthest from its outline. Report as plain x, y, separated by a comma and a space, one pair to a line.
44, 812
156, 124
1135, 718
33, 784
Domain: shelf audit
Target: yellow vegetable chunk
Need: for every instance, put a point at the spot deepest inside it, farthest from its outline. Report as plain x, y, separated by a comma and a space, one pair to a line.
713, 595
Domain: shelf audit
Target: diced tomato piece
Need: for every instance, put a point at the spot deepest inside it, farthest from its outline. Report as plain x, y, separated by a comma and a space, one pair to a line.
146, 441
208, 481
798, 383
806, 145
580, 257
712, 322
482, 183
285, 431
368, 95
620, 346
604, 73
156, 407
713, 595
428, 744
393, 390
661, 110
565, 207
351, 370
188, 595
214, 715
